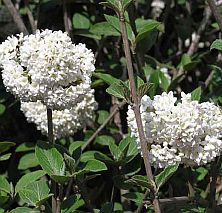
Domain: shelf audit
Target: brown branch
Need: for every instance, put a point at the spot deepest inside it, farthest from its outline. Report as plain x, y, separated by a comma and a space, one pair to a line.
136, 103
16, 17
194, 44
30, 16
66, 18
215, 12
115, 110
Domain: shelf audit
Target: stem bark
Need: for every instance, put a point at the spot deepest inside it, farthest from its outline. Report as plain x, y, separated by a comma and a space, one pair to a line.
136, 106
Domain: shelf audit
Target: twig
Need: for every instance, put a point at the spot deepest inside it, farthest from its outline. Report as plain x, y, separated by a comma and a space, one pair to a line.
66, 18
194, 45
30, 16
115, 110
136, 104
51, 140
215, 12
16, 17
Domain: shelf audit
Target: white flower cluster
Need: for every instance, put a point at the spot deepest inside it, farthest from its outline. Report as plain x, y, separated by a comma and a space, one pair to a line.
158, 6
65, 122
185, 132
48, 67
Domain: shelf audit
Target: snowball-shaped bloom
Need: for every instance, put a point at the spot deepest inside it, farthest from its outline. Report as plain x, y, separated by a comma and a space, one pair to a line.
65, 122
48, 67
179, 131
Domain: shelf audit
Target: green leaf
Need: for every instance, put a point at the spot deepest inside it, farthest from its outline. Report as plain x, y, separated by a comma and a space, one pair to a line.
71, 204
126, 3
143, 89
25, 147
147, 27
202, 172
104, 29
217, 44
35, 193
4, 185
50, 159
75, 145
115, 151
107, 78
136, 197
102, 116
164, 82
70, 163
140, 180
2, 109
28, 178
5, 157
28, 161
113, 4
24, 210
94, 166
114, 22
104, 140
165, 175
80, 21
5, 146
119, 90
185, 59
196, 94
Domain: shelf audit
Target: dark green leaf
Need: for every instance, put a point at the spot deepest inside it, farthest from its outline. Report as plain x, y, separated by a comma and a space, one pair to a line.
50, 159
70, 163
119, 90
4, 185
5, 146
146, 29
28, 178
143, 89
140, 180
217, 44
165, 175
71, 204
25, 147
105, 29
196, 94
136, 197
107, 208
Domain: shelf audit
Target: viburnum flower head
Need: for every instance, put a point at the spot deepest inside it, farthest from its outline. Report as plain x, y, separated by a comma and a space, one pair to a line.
185, 131
48, 67
65, 122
